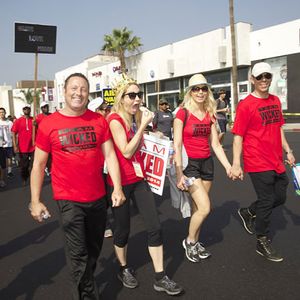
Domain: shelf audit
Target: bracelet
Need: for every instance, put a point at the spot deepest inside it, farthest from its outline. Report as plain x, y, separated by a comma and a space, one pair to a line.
290, 151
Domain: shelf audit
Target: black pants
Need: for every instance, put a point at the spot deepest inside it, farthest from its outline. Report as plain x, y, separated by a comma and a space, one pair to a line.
270, 188
83, 225
26, 161
145, 203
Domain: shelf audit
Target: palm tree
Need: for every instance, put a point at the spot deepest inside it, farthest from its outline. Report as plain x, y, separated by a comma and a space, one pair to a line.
119, 42
29, 96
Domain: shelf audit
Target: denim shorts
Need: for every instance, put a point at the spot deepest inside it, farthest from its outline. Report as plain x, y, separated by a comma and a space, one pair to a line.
200, 168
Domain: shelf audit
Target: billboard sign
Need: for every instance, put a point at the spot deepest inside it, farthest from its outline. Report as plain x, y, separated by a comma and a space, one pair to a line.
108, 96
34, 38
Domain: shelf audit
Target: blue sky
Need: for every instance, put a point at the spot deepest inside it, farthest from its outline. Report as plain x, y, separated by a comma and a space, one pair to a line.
81, 26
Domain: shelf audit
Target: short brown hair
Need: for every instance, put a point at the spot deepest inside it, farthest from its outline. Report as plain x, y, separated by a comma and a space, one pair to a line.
77, 75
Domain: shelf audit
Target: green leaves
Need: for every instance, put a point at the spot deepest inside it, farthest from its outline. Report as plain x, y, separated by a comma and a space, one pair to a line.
120, 41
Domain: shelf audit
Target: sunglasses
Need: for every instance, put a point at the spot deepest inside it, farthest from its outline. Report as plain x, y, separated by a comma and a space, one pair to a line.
197, 89
133, 95
264, 75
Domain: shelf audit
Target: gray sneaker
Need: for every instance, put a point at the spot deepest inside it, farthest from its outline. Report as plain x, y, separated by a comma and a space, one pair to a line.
264, 248
167, 285
248, 220
128, 279
202, 252
191, 251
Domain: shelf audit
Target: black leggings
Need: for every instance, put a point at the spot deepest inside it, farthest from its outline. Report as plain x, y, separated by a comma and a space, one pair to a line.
146, 205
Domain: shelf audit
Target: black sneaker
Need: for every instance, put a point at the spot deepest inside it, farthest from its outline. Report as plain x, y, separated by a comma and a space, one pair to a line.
191, 251
264, 248
167, 285
202, 252
128, 279
248, 220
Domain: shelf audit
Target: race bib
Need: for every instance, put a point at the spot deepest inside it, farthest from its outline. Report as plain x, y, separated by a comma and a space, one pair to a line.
137, 169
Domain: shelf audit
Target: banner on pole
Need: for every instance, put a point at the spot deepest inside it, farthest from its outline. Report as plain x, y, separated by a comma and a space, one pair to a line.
155, 152
35, 38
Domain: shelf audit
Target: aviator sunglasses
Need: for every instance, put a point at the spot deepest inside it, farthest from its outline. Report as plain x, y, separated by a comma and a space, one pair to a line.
264, 75
133, 95
197, 89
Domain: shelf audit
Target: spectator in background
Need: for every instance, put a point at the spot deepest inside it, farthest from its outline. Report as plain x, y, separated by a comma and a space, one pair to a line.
222, 110
5, 126
22, 142
44, 106
2, 159
163, 119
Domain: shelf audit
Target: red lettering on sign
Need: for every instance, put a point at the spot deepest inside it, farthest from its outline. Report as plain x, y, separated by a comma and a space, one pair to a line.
153, 181
158, 166
149, 163
155, 149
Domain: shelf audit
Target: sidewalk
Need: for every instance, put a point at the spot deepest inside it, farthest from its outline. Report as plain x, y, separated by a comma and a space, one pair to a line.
291, 127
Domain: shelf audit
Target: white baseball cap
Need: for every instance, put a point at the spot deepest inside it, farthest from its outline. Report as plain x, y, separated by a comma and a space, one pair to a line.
95, 103
261, 68
43, 103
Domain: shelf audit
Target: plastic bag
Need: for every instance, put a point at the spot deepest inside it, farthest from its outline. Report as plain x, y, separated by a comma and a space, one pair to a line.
296, 178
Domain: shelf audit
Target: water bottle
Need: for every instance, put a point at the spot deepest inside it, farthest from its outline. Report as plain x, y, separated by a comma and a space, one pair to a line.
44, 215
170, 156
189, 181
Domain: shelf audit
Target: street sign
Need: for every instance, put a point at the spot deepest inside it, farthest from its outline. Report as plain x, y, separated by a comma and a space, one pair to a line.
34, 38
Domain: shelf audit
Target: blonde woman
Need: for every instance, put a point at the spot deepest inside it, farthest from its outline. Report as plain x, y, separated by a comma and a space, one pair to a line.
194, 127
127, 124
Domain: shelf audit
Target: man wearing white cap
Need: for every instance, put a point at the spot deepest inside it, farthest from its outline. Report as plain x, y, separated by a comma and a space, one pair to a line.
44, 106
259, 135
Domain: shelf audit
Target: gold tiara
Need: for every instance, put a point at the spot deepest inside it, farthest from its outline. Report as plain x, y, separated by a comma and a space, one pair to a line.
122, 82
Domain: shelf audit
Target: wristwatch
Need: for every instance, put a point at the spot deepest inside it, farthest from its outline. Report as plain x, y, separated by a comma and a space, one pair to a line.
290, 151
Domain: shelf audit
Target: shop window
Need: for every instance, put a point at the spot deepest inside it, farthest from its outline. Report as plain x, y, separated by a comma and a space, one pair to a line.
169, 85
243, 74
150, 87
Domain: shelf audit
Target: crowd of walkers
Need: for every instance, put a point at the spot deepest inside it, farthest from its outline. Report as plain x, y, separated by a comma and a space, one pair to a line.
106, 141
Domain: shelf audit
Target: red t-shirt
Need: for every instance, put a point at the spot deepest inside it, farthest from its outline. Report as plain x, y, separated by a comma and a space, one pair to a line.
23, 128
258, 121
40, 117
77, 159
195, 134
128, 175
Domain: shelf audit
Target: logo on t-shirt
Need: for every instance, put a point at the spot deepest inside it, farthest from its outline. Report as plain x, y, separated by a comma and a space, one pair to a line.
77, 138
201, 130
269, 114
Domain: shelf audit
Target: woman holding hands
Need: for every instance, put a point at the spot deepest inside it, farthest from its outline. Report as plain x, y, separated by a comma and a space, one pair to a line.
194, 127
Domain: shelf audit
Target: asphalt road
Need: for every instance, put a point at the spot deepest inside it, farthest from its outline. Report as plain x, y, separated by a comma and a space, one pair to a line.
32, 264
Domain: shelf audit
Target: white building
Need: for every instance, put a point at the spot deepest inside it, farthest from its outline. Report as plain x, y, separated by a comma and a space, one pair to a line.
164, 72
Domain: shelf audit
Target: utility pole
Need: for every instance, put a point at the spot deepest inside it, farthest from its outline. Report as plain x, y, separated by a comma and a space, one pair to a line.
233, 53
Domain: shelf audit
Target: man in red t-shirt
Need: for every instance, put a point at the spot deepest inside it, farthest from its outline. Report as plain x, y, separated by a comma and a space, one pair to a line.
78, 140
22, 141
258, 134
